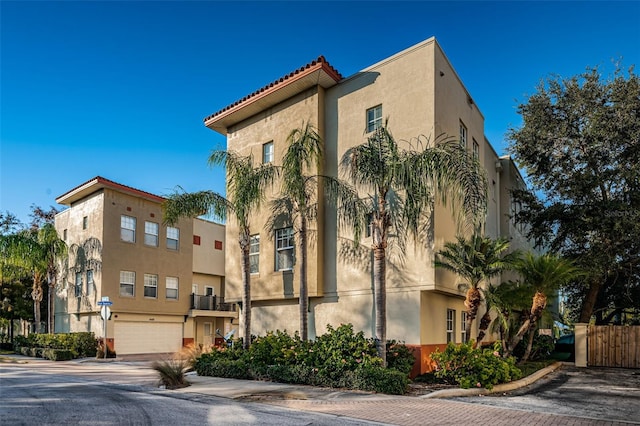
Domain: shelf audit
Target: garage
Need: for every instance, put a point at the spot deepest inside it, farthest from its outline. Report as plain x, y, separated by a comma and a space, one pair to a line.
132, 337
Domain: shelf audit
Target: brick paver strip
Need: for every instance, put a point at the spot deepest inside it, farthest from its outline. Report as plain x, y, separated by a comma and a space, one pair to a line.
418, 412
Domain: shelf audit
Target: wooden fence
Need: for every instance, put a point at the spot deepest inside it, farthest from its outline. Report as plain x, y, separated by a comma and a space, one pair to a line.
613, 346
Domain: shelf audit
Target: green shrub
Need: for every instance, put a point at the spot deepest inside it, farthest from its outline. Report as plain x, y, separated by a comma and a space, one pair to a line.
379, 379
470, 367
400, 357
541, 347
222, 367
276, 348
82, 344
57, 354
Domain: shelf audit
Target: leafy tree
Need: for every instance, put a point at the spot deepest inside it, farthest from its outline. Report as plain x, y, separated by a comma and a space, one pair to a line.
301, 188
476, 260
543, 275
245, 189
579, 144
402, 185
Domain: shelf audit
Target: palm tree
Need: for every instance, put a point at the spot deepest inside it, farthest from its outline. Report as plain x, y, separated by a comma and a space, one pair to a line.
476, 260
301, 185
543, 275
53, 251
402, 186
246, 185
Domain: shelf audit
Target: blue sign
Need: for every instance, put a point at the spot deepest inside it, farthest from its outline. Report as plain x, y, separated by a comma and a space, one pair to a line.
105, 303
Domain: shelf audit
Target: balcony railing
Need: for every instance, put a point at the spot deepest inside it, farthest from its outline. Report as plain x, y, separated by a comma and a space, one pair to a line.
210, 303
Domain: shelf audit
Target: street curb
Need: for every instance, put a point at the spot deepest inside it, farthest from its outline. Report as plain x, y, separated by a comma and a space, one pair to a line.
505, 387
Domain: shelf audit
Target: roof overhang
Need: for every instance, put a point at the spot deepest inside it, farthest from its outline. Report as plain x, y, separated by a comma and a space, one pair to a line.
317, 73
98, 183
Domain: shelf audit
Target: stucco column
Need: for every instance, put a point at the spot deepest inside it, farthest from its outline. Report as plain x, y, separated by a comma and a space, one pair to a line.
581, 344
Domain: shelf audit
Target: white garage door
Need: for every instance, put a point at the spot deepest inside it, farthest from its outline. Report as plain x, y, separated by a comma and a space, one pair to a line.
147, 338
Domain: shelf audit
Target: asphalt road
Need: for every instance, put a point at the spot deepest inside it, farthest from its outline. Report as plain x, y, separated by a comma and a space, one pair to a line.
596, 393
38, 394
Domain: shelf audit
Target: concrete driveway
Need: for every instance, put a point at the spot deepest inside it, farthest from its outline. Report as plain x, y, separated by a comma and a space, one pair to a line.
595, 393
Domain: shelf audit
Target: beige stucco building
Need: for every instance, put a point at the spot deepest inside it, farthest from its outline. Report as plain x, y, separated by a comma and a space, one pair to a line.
166, 283
420, 93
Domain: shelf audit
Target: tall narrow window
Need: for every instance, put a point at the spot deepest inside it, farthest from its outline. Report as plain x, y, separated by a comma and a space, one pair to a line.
127, 283
78, 284
151, 234
267, 152
451, 325
284, 249
173, 238
476, 149
463, 135
85, 222
128, 229
172, 288
254, 254
150, 285
374, 118
89, 282
463, 326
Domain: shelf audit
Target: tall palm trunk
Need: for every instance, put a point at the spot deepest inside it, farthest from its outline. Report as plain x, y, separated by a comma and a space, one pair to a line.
472, 302
246, 289
380, 297
36, 295
485, 321
538, 305
51, 281
304, 290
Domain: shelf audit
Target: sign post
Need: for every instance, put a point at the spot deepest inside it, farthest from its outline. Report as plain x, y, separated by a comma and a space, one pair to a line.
105, 313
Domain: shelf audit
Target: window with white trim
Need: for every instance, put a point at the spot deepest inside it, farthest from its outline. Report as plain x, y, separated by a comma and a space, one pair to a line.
463, 135
151, 233
374, 118
476, 149
150, 285
172, 288
127, 283
267, 152
284, 249
89, 282
451, 325
254, 254
128, 229
463, 326
173, 238
78, 284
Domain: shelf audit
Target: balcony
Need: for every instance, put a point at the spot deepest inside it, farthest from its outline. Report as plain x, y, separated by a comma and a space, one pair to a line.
211, 303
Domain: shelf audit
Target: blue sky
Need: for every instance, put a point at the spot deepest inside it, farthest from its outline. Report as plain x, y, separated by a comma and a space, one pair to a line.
120, 89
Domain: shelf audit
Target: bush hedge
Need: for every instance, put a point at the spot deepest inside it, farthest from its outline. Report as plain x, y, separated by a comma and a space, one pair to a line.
79, 345
340, 358
474, 367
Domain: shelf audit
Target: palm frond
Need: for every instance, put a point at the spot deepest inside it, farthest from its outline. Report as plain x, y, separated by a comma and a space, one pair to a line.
193, 204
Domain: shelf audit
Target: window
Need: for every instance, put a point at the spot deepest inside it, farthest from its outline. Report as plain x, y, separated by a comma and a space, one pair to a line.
196, 240
284, 249
463, 326
254, 254
128, 229
150, 285
476, 149
463, 135
151, 234
218, 245
208, 291
85, 222
64, 235
173, 238
451, 325
369, 225
127, 283
267, 152
172, 288
89, 282
374, 118
78, 284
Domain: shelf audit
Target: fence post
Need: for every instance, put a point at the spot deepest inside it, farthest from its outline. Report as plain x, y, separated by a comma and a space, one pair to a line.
581, 344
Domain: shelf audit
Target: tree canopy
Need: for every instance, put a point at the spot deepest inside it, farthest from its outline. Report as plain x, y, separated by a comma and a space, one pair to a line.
579, 145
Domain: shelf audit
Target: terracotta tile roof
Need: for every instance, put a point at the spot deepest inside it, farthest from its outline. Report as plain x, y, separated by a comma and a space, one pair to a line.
321, 62
100, 182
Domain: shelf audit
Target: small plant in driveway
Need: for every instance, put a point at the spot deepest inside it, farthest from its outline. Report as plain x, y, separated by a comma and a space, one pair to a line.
172, 372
